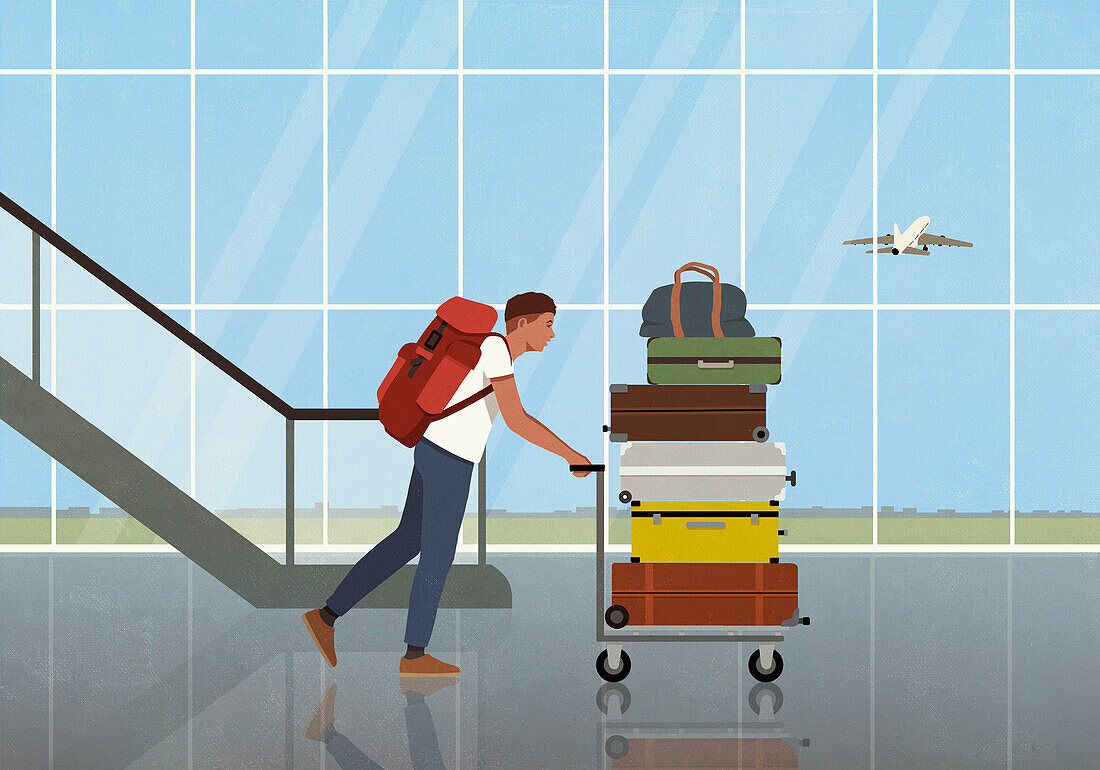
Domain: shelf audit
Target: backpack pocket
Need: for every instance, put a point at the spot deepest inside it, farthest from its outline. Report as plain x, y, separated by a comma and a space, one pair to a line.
458, 360
404, 355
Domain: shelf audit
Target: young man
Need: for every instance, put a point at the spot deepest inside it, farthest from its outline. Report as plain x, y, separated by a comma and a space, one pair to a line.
443, 464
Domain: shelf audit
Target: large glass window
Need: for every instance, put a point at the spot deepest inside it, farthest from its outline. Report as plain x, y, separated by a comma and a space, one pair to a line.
1057, 34
107, 33
258, 188
1057, 422
687, 33
244, 34
409, 34
128, 377
943, 154
1056, 192
510, 35
308, 201
533, 182
24, 34
808, 188
931, 34
943, 426
123, 183
674, 179
393, 189
808, 33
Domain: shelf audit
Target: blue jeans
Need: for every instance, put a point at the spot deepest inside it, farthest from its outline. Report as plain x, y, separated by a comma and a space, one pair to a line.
434, 507
423, 744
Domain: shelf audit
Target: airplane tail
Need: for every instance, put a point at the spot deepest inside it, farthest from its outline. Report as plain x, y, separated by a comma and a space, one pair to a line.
897, 232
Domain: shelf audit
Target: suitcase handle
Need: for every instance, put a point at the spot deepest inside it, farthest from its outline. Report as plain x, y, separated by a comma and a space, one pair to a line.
715, 364
706, 525
716, 300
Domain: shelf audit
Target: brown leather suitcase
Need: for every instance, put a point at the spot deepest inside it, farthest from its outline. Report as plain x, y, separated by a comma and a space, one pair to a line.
729, 753
688, 413
688, 594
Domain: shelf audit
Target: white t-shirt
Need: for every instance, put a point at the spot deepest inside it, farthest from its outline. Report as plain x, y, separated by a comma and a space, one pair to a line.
465, 432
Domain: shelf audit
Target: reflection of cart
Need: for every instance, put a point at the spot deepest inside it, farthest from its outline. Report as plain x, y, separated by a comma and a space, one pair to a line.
613, 664
700, 744
753, 744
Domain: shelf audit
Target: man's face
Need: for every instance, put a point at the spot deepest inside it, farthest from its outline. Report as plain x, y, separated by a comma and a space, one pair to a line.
540, 331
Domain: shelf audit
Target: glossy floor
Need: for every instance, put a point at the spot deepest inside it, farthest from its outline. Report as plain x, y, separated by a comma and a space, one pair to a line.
953, 661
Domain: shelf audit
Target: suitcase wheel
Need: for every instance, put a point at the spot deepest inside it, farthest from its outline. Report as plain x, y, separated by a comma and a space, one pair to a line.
635, 559
616, 616
625, 496
764, 694
618, 674
760, 434
616, 747
765, 676
611, 692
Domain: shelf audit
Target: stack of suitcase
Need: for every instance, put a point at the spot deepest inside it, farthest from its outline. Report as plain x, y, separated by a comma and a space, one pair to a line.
704, 487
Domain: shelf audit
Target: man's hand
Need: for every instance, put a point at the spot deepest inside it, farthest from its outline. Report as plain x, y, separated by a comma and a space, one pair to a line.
580, 459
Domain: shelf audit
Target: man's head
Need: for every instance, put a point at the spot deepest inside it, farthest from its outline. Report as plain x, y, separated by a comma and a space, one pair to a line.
529, 319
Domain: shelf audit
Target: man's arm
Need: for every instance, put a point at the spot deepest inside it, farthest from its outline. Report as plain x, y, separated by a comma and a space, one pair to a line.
526, 426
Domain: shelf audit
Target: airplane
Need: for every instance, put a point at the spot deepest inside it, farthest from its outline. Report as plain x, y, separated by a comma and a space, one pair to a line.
903, 243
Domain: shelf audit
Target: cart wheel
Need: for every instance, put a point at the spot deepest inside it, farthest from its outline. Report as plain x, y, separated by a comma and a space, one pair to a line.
616, 747
765, 676
763, 693
624, 497
616, 616
761, 434
618, 674
610, 692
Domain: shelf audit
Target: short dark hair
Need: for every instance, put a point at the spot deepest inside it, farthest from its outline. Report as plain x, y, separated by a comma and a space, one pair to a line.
530, 305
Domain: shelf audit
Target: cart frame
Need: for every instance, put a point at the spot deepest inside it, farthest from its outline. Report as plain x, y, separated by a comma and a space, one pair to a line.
765, 637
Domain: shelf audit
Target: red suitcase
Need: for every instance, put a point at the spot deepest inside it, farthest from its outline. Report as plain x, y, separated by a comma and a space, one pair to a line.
688, 594
729, 753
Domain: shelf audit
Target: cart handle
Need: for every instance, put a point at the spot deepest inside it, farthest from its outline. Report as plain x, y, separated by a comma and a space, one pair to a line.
598, 468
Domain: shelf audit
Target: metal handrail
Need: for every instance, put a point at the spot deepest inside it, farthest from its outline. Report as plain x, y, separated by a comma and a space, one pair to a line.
238, 375
129, 294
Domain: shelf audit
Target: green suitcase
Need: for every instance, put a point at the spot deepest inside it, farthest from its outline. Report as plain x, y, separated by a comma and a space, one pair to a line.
713, 360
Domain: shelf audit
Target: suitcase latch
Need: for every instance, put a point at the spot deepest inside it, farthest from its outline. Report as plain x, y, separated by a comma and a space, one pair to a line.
656, 518
756, 518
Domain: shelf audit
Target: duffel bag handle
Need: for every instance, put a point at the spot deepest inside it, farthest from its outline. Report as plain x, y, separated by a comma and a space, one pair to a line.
716, 304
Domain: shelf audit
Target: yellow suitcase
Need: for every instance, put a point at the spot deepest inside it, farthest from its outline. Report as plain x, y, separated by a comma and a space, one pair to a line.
704, 531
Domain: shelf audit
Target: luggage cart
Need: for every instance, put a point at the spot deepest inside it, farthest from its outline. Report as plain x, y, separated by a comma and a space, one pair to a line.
613, 664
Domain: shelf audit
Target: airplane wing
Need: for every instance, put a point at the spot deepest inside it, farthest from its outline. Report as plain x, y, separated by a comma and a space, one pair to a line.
888, 238
939, 240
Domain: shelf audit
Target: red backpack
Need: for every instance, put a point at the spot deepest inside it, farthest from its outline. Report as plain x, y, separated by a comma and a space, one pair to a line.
427, 373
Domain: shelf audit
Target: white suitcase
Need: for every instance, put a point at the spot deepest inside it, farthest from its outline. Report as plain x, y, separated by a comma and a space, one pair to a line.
720, 470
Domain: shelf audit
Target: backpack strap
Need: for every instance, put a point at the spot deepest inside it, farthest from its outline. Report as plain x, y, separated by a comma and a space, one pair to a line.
469, 399
464, 403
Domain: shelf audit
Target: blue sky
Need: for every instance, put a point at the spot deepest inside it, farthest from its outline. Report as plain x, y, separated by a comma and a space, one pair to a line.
524, 153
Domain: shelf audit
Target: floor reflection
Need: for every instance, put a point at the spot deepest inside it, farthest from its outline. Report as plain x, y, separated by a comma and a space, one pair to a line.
419, 727
760, 742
